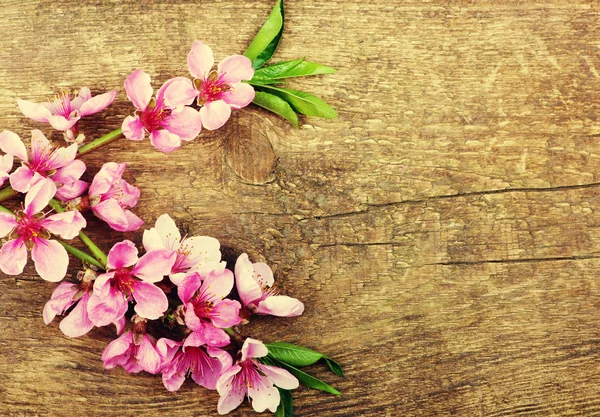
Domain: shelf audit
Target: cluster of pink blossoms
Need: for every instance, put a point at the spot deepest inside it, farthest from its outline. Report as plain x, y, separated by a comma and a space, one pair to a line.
178, 282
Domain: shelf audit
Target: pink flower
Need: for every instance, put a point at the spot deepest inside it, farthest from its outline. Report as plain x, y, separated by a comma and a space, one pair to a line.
130, 278
254, 379
30, 229
110, 195
66, 108
43, 161
254, 282
166, 125
179, 359
217, 91
206, 309
77, 322
194, 254
6, 164
134, 352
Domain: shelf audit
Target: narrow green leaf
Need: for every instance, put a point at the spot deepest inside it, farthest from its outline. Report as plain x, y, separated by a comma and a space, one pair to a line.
293, 354
286, 406
306, 379
265, 42
303, 102
276, 105
288, 69
335, 367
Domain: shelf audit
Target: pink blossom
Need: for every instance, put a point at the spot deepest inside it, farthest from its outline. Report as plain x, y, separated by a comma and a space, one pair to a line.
179, 359
31, 230
166, 125
130, 278
66, 108
134, 352
43, 161
254, 379
110, 196
207, 311
254, 282
216, 91
6, 164
194, 254
77, 322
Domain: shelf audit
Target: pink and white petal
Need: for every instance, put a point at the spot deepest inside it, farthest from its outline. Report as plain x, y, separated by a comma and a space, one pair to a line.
7, 223
60, 300
177, 278
177, 92
280, 377
200, 59
133, 129
154, 265
248, 288
191, 319
84, 94
34, 111
151, 301
106, 309
131, 365
102, 285
224, 358
70, 172
173, 380
224, 383
63, 156
147, 356
263, 274
214, 114
212, 336
207, 370
194, 339
139, 89
185, 123
253, 348
263, 395
202, 250
226, 313
280, 306
116, 348
122, 255
152, 240
13, 257
235, 68
98, 103
66, 225
62, 123
21, 179
120, 324
77, 323
168, 232
167, 348
128, 194
71, 191
50, 259
112, 213
6, 163
40, 145
165, 141
133, 221
110, 173
11, 144
188, 287
218, 285
240, 95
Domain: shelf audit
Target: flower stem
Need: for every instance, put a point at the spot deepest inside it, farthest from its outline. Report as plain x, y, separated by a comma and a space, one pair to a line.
94, 249
229, 331
4, 209
7, 194
101, 141
80, 254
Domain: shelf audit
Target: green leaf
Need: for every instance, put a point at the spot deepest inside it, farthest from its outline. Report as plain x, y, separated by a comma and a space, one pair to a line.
288, 69
293, 354
286, 406
303, 102
265, 42
334, 366
306, 379
276, 105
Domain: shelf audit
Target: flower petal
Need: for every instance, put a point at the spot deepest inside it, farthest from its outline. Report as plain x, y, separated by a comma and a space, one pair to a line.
154, 265
21, 179
147, 356
77, 323
98, 103
60, 300
204, 255
214, 114
71, 191
280, 377
200, 59
106, 308
167, 233
218, 285
62, 156
50, 259
133, 129
7, 223
62, 123
280, 306
109, 174
67, 224
235, 68
34, 111
232, 389
178, 91
13, 257
188, 287
248, 288
151, 301
240, 95
185, 123
165, 141
253, 348
11, 144
70, 172
167, 348
6, 163
138, 89
122, 255
118, 218
263, 395
207, 369
226, 313
115, 349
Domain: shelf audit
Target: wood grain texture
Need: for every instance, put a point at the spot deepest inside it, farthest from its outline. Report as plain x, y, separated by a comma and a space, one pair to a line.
443, 232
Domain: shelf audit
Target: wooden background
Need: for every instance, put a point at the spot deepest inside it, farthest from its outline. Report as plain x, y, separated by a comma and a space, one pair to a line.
443, 231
